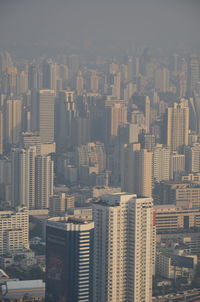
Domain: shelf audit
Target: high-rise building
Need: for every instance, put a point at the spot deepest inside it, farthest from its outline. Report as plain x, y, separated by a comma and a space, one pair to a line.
46, 115
161, 163
12, 123
123, 248
136, 171
23, 177
176, 125
143, 104
34, 77
147, 141
60, 203
177, 164
14, 230
193, 73
49, 71
192, 158
162, 79
1, 132
65, 113
69, 260
115, 115
28, 139
44, 175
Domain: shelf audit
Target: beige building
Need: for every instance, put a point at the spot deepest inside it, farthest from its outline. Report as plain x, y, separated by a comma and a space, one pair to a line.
161, 163
136, 170
177, 125
115, 115
44, 174
14, 230
192, 158
170, 218
12, 121
60, 203
124, 231
23, 177
177, 164
46, 115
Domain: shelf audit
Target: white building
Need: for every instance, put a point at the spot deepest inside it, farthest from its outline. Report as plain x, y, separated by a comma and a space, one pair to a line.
161, 163
123, 248
14, 230
44, 174
23, 177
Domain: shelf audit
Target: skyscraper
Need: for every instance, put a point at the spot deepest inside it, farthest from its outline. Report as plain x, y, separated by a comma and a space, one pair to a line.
193, 73
69, 260
12, 121
23, 177
46, 115
44, 173
161, 163
65, 113
123, 248
115, 115
136, 171
177, 125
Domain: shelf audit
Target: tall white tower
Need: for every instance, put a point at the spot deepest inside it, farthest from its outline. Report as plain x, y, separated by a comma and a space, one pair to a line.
123, 248
44, 170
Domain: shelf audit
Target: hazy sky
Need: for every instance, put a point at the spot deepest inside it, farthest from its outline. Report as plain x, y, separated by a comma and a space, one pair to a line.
55, 23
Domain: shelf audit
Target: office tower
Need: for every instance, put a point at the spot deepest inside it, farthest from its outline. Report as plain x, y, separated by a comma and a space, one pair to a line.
176, 125
73, 62
195, 110
147, 141
23, 177
22, 82
49, 71
34, 77
5, 179
9, 81
177, 164
46, 115
65, 112
143, 104
12, 123
162, 79
161, 163
115, 87
136, 170
62, 77
192, 158
79, 83
14, 230
193, 73
44, 175
60, 203
123, 248
80, 130
1, 132
69, 260
28, 139
115, 115
94, 82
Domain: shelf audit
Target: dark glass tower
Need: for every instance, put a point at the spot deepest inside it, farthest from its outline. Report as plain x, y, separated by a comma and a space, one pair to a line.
69, 260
